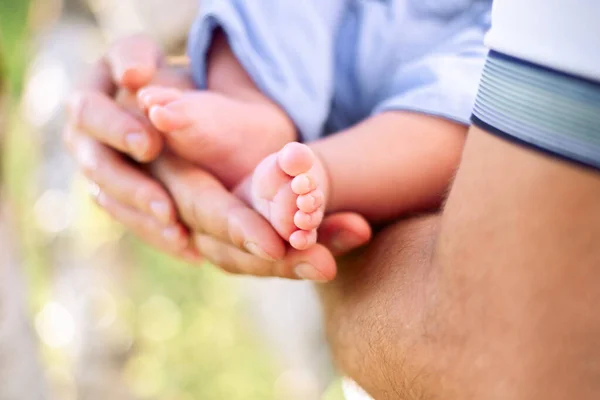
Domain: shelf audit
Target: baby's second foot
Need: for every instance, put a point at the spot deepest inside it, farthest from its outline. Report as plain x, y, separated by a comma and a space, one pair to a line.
288, 188
225, 135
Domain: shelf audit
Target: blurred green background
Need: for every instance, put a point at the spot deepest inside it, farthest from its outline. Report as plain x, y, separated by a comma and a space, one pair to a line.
92, 313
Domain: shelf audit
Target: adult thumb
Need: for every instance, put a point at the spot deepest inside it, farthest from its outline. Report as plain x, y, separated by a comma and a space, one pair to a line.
344, 232
134, 61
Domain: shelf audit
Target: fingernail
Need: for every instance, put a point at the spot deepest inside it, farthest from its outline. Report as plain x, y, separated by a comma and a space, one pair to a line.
137, 144
308, 272
257, 251
339, 243
161, 211
171, 234
344, 242
86, 157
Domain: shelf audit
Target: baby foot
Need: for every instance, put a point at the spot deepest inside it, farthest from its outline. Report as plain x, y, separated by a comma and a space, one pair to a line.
288, 188
225, 135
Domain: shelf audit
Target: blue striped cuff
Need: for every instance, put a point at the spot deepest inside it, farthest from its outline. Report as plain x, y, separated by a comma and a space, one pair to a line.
549, 110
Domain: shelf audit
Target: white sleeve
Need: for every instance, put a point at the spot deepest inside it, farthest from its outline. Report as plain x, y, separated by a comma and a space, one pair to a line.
559, 34
541, 83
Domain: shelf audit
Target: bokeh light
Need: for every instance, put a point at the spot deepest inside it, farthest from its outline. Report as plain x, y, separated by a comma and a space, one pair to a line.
46, 88
145, 376
55, 325
53, 212
159, 319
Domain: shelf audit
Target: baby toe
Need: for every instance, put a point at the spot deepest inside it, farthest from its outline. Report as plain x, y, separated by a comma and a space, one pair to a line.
310, 202
154, 95
168, 119
302, 240
295, 159
303, 184
308, 221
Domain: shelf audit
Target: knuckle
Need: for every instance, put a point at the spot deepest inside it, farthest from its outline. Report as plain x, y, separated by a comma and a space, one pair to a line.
93, 167
145, 193
226, 264
192, 212
77, 106
281, 270
259, 268
210, 249
148, 226
118, 126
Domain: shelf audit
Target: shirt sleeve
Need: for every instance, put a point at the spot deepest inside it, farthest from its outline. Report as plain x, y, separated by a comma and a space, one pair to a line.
540, 87
559, 34
285, 46
444, 81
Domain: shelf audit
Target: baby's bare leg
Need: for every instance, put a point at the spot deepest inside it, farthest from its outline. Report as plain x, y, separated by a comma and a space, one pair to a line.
387, 166
391, 164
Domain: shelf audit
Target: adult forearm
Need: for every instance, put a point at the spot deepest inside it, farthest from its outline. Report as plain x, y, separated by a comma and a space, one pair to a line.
376, 308
517, 268
496, 299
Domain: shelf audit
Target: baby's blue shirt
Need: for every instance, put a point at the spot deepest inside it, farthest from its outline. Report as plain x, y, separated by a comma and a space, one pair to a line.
333, 63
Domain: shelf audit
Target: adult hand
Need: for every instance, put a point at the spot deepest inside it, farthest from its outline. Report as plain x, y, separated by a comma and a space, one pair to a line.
104, 132
99, 134
236, 238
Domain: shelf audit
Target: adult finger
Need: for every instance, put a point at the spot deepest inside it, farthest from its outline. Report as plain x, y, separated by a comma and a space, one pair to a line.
316, 264
134, 61
98, 79
172, 77
173, 239
120, 179
344, 232
206, 206
98, 116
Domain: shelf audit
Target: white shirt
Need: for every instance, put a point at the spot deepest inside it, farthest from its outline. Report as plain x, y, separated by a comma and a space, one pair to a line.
559, 34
